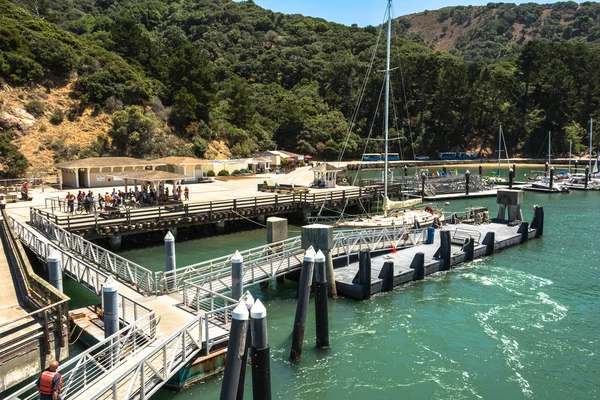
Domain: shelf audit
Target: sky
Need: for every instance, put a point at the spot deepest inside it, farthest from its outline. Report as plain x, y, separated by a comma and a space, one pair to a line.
363, 12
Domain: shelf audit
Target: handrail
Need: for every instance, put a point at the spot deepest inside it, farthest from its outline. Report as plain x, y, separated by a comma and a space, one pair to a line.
98, 361
142, 278
33, 313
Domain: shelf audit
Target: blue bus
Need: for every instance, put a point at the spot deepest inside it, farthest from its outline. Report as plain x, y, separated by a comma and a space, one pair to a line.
393, 156
447, 155
372, 157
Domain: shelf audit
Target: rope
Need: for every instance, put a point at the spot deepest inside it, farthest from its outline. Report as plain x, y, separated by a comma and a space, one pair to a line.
78, 336
251, 220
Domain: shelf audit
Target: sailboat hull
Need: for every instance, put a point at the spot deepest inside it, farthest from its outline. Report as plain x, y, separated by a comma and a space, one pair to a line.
402, 219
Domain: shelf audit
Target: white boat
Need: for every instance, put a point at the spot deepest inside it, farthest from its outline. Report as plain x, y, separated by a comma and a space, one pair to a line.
578, 182
546, 184
395, 214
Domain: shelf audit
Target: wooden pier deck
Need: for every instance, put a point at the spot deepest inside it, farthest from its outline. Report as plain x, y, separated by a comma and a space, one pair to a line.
127, 221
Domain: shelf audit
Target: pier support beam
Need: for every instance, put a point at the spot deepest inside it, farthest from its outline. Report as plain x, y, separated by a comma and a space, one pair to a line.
321, 306
511, 200
490, 242
115, 243
237, 272
418, 264
235, 348
170, 258
469, 250
277, 229
55, 271
363, 277
110, 310
261, 364
302, 306
320, 237
220, 226
538, 221
524, 231
387, 275
445, 249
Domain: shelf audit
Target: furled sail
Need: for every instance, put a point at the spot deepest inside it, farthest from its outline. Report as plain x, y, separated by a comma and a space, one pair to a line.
391, 205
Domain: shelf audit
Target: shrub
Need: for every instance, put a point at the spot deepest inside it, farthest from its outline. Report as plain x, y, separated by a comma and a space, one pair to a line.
57, 117
210, 173
35, 108
223, 172
236, 172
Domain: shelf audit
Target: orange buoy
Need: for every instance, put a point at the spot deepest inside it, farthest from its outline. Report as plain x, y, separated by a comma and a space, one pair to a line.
394, 249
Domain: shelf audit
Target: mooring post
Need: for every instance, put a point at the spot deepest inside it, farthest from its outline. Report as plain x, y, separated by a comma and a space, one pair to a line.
551, 178
423, 178
445, 249
445, 169
321, 307
480, 170
235, 349
587, 175
320, 237
524, 231
469, 250
364, 273
511, 177
405, 171
55, 270
261, 362
387, 276
538, 220
418, 265
237, 271
248, 301
490, 242
302, 305
514, 168
170, 259
467, 181
110, 310
546, 167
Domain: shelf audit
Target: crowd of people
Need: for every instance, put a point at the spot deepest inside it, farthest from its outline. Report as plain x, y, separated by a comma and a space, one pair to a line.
89, 202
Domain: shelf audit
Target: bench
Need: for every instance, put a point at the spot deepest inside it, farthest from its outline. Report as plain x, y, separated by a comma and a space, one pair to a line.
462, 236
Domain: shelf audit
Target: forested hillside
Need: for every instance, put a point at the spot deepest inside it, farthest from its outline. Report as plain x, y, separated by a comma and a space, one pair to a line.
221, 78
496, 31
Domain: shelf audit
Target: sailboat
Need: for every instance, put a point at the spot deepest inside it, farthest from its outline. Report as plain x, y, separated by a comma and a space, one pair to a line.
579, 181
548, 184
496, 179
395, 213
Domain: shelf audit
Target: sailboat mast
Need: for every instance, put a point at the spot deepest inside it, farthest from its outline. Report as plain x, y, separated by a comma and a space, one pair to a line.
570, 150
549, 150
387, 103
499, 147
591, 135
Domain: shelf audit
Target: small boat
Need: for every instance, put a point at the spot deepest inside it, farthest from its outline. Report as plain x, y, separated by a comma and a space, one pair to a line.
578, 182
468, 155
447, 155
544, 186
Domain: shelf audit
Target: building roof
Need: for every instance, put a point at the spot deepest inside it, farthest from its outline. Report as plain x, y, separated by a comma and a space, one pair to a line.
93, 162
181, 161
325, 167
283, 154
260, 160
147, 175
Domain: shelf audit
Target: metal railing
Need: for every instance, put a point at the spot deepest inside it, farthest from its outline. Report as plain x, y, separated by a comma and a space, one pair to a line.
97, 363
81, 271
141, 278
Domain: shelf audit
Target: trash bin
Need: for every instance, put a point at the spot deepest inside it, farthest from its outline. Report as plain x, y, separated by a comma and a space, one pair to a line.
430, 235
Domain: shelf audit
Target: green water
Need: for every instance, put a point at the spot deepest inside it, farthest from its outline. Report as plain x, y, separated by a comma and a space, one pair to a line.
522, 324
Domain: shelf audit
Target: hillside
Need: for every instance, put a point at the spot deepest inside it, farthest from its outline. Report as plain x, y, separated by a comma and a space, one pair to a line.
217, 78
495, 31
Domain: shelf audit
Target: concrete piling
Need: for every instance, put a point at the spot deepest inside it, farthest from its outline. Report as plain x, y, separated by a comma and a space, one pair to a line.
445, 249
170, 257
445, 169
546, 167
235, 349
110, 310
387, 275
551, 178
320, 237
490, 242
302, 305
405, 171
321, 306
55, 271
277, 229
237, 272
364, 273
261, 363
511, 178
587, 175
418, 264
248, 301
480, 169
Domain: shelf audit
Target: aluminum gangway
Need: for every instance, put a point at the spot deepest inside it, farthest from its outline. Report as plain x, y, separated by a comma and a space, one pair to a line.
157, 340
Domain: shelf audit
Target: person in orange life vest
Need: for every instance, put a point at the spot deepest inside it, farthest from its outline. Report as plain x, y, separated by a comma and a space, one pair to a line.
49, 384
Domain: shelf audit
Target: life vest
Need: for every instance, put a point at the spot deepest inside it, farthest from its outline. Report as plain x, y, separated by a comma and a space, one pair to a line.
46, 382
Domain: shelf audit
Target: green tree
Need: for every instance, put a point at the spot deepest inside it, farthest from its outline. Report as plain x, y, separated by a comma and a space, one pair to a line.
14, 164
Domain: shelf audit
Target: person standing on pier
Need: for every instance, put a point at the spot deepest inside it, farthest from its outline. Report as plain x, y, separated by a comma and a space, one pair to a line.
186, 192
49, 384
